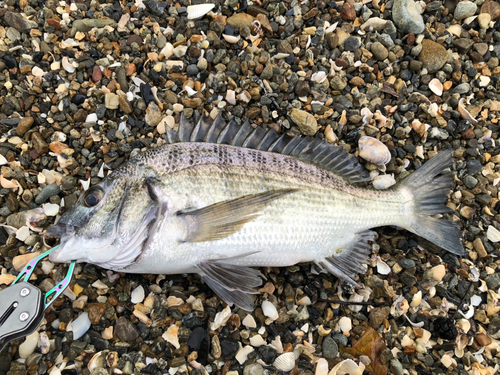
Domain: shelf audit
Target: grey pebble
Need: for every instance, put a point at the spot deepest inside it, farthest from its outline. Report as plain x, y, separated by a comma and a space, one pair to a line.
396, 367
330, 348
253, 369
406, 263
470, 181
47, 192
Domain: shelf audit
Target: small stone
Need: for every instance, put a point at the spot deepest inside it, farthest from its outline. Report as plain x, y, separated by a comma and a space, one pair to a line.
47, 192
96, 74
406, 15
112, 101
377, 316
484, 20
433, 55
465, 9
348, 13
483, 340
20, 23
95, 311
338, 82
406, 263
305, 121
267, 353
396, 367
125, 330
88, 24
24, 125
39, 143
492, 7
192, 102
153, 114
352, 43
330, 348
253, 369
479, 247
124, 104
229, 348
357, 81
267, 72
379, 51
302, 88
463, 44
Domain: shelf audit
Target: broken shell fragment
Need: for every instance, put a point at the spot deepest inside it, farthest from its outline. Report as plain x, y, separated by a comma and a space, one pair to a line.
221, 318
345, 325
436, 86
285, 362
318, 76
374, 151
231, 38
348, 366
269, 310
198, 11
171, 336
493, 234
465, 113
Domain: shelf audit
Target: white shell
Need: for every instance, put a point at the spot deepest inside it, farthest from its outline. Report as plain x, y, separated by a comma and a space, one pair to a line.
367, 115
37, 72
465, 113
319, 76
257, 341
321, 367
44, 343
80, 326
417, 298
29, 345
137, 295
383, 182
69, 66
168, 50
493, 234
285, 362
198, 11
243, 353
249, 321
281, 55
231, 97
277, 344
221, 318
436, 86
97, 361
171, 336
382, 267
269, 310
374, 151
190, 91
231, 38
348, 366
50, 209
345, 324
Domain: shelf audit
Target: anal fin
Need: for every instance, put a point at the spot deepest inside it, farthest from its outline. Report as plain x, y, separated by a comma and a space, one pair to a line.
350, 262
234, 284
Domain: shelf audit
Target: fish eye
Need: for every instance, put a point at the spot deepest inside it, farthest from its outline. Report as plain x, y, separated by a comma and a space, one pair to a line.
93, 196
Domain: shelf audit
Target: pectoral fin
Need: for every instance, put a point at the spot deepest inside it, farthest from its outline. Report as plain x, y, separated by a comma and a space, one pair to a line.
225, 218
234, 284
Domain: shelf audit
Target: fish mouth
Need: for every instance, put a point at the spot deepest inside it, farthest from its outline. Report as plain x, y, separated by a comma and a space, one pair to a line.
61, 229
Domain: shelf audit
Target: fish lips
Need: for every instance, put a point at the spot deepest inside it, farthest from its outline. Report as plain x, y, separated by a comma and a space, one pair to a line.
61, 229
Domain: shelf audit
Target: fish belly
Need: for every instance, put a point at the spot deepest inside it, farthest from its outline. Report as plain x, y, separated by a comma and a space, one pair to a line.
310, 224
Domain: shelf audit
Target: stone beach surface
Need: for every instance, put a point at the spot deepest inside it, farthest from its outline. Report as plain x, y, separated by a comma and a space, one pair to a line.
86, 85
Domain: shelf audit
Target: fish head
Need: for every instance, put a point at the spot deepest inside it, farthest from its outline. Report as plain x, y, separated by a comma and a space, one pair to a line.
107, 226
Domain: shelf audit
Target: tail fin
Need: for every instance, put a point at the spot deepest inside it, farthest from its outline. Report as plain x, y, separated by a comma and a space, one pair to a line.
430, 186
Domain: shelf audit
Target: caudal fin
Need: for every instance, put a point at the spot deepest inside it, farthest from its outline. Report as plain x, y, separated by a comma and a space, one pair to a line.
430, 186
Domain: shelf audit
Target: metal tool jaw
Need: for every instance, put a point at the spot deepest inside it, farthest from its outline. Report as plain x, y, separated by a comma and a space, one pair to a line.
22, 305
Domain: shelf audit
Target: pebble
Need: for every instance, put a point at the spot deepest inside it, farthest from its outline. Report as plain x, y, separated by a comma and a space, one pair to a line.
407, 18
47, 192
465, 9
24, 125
125, 330
329, 348
379, 51
305, 121
352, 43
253, 369
433, 55
153, 115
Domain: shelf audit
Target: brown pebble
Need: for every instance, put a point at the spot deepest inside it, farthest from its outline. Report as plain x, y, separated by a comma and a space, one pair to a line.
411, 39
96, 74
483, 340
112, 300
95, 311
130, 69
348, 13
259, 69
341, 63
253, 112
479, 247
125, 105
24, 125
357, 81
192, 102
39, 143
54, 23
468, 134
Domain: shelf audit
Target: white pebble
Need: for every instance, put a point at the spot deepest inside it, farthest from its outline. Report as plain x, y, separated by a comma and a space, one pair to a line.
44, 343
51, 209
91, 117
137, 295
257, 341
29, 345
23, 233
243, 353
249, 321
80, 326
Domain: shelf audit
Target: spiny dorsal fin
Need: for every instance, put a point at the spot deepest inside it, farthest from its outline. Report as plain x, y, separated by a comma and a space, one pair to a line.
315, 151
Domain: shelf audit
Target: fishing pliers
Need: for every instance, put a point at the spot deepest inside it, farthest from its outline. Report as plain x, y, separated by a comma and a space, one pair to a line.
22, 305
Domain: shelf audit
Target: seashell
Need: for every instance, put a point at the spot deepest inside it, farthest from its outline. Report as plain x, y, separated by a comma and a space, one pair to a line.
417, 298
374, 151
249, 321
493, 234
56, 65
29, 345
7, 279
257, 341
383, 182
50, 209
285, 362
455, 29
367, 115
304, 301
198, 11
231, 97
269, 310
343, 118
98, 361
221, 318
277, 344
174, 301
331, 29
407, 341
167, 51
380, 118
80, 326
8, 184
438, 272
171, 336
399, 307
243, 353
330, 135
448, 361
44, 343
465, 113
281, 55
347, 367
436, 86
464, 324
244, 96
98, 284
382, 267
231, 38
137, 295
324, 331
321, 367
319, 76
37, 72
345, 325
107, 334
19, 261
3, 161
23, 233
68, 65
112, 359
190, 91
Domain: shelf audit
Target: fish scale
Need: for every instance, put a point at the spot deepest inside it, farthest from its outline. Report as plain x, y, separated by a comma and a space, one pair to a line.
195, 206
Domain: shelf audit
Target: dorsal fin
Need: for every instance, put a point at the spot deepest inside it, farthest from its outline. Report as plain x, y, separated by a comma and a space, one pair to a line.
315, 151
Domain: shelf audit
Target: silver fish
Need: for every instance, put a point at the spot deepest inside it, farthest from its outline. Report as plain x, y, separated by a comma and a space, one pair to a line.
222, 198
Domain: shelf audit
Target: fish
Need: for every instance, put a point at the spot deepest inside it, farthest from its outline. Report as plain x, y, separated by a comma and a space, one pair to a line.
220, 198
